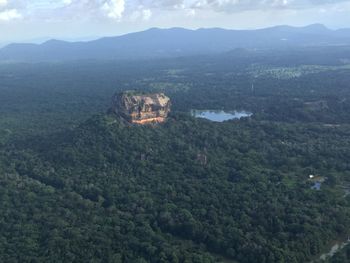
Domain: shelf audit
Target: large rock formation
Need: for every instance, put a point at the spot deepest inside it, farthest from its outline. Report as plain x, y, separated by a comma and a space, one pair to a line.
141, 108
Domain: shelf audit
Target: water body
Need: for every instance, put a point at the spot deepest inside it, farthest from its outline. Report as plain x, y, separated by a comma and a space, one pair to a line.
317, 186
220, 115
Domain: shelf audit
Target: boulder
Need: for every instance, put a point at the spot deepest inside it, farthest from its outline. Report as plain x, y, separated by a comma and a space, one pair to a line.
141, 108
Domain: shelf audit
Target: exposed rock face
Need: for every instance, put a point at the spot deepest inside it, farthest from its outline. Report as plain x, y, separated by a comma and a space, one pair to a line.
141, 108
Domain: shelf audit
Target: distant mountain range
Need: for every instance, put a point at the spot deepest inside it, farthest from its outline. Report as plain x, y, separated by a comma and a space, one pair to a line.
176, 42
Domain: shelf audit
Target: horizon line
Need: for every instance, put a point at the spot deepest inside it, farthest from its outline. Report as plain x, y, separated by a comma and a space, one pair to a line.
86, 39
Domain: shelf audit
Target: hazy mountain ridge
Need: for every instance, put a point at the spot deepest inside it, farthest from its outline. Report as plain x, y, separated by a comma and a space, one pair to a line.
174, 42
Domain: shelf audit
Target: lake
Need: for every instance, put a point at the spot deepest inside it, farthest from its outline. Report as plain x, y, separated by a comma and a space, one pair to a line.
316, 186
220, 115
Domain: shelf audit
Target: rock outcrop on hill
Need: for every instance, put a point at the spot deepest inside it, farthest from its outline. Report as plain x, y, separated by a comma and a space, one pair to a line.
141, 108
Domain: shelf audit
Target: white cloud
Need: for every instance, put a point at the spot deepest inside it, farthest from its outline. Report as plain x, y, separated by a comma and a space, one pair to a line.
175, 4
114, 8
35, 5
146, 14
67, 2
243, 5
190, 12
9, 14
61, 10
3, 3
169, 12
141, 14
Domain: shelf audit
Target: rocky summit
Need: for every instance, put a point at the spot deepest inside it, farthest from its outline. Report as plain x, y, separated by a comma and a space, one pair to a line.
141, 108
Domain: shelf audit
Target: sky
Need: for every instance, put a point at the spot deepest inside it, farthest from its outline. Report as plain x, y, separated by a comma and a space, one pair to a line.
38, 20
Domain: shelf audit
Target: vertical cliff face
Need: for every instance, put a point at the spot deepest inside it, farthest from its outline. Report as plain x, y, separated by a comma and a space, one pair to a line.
141, 108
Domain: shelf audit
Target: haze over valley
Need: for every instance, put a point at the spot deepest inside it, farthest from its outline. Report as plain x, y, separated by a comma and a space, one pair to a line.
177, 42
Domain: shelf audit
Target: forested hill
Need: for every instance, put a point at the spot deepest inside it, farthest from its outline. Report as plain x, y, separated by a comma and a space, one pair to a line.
188, 190
176, 42
82, 186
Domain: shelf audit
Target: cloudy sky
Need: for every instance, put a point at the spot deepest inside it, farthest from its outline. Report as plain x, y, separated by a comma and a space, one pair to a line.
36, 20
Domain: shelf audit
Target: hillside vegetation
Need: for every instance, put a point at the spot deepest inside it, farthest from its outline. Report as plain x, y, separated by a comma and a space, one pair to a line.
80, 185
